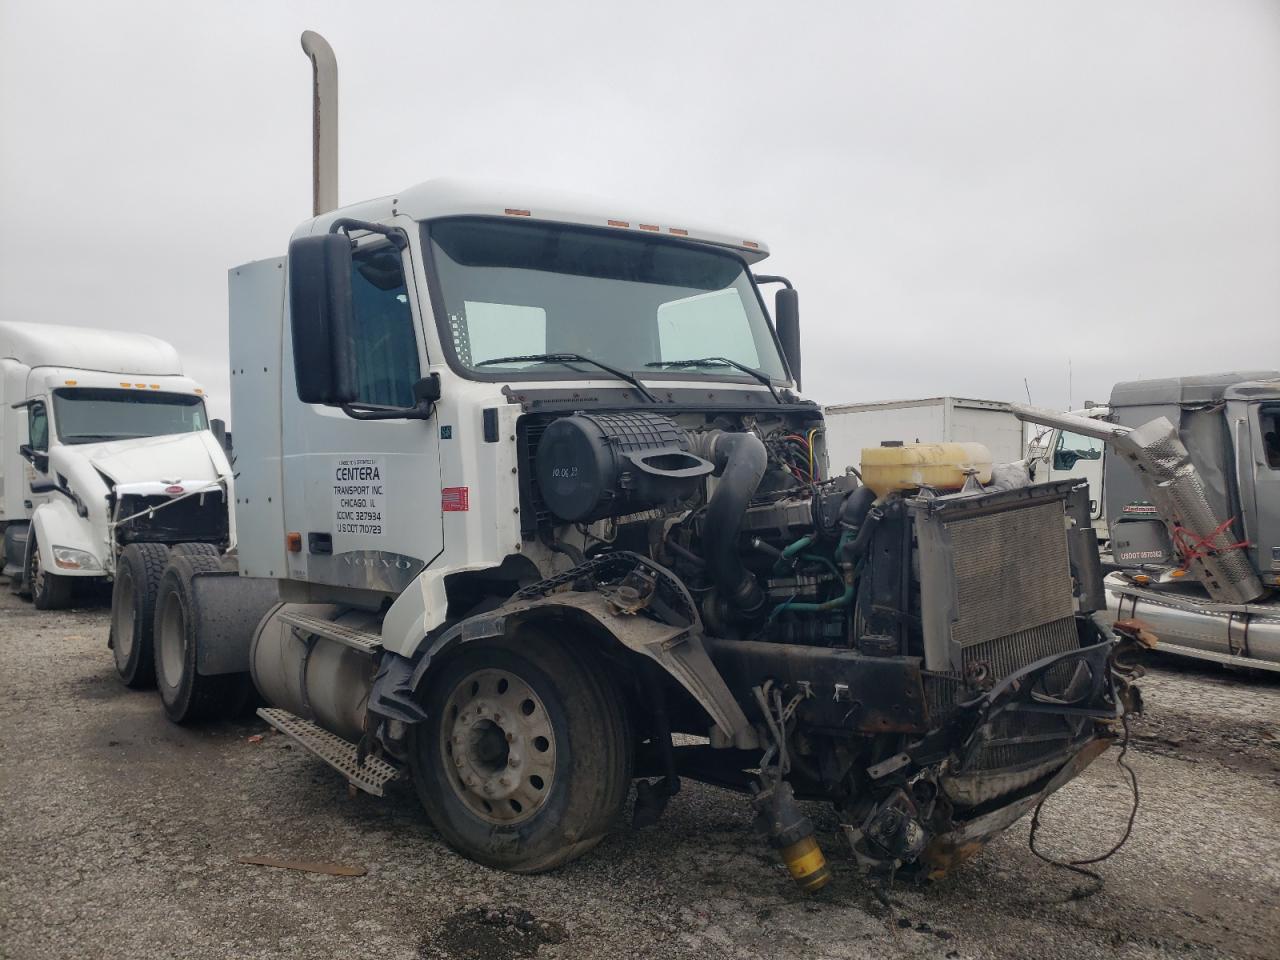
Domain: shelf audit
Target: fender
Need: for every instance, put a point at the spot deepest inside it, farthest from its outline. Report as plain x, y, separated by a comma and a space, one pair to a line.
56, 522
677, 648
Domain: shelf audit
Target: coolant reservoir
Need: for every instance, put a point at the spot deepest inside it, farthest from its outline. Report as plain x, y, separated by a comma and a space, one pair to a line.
943, 466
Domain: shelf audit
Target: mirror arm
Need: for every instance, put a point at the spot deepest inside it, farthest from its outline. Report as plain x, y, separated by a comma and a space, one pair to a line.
346, 225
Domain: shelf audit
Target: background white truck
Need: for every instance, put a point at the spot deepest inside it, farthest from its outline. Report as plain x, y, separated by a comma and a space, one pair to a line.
103, 443
853, 426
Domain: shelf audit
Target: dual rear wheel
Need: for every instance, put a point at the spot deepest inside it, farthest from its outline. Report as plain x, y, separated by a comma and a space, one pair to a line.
153, 619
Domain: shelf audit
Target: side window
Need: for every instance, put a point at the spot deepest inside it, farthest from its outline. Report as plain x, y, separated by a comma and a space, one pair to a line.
1072, 447
385, 348
1269, 419
38, 427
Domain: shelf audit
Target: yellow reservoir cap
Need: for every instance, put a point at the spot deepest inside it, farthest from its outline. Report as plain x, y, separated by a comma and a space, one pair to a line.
943, 466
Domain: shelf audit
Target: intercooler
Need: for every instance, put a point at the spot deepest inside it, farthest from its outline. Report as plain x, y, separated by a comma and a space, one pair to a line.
996, 595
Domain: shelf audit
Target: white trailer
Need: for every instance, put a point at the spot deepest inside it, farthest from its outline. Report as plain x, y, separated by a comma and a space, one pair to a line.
103, 443
851, 427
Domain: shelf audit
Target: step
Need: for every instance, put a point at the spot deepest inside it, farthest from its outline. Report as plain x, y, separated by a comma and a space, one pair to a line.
362, 640
371, 776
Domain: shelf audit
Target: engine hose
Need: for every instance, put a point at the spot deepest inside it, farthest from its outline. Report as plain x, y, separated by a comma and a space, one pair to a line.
790, 551
852, 551
740, 460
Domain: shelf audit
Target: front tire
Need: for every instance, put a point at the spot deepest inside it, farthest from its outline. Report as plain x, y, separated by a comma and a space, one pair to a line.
49, 591
189, 696
133, 605
524, 762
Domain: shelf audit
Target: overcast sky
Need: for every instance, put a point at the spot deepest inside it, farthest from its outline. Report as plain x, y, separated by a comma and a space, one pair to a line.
966, 194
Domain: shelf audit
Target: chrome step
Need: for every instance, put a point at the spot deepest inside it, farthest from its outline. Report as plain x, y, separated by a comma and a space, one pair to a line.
362, 640
371, 776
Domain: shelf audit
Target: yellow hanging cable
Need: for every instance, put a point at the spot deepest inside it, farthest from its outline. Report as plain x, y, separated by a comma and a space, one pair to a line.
812, 434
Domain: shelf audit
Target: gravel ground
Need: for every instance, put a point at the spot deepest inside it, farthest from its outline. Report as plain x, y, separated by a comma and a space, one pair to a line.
119, 833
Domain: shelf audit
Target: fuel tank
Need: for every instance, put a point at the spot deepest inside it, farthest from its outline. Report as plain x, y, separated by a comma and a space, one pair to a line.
311, 676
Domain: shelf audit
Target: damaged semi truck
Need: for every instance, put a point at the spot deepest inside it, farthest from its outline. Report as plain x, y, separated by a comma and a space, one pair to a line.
106, 453
539, 491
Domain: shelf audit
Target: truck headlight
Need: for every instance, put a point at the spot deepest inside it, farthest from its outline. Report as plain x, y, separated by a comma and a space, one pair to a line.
68, 558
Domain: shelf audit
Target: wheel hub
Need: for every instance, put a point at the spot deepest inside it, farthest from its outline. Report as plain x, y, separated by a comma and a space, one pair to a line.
500, 743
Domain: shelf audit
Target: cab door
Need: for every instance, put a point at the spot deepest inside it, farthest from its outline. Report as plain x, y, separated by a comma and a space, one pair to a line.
364, 495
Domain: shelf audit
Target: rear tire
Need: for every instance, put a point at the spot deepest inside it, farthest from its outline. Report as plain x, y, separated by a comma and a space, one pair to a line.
195, 550
524, 762
133, 604
189, 696
49, 591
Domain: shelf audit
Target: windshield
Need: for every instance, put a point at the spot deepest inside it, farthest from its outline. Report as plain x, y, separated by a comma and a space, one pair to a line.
89, 415
534, 293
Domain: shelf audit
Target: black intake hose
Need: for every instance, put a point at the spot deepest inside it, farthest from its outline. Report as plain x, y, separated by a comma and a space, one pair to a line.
740, 460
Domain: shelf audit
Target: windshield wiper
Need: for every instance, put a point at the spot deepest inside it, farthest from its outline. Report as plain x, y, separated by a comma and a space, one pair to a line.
572, 358
722, 362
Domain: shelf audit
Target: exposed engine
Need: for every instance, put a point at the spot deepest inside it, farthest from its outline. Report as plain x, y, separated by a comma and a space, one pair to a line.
882, 638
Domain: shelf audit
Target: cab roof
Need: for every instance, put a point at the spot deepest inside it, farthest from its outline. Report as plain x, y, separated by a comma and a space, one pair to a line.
450, 197
87, 348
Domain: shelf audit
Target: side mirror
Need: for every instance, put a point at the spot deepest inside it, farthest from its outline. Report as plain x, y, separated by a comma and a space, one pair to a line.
320, 315
786, 316
37, 459
219, 430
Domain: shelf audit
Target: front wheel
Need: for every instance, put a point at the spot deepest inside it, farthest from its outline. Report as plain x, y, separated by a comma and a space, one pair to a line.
49, 591
523, 763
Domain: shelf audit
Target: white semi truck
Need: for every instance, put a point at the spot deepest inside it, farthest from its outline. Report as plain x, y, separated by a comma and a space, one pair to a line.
533, 479
103, 443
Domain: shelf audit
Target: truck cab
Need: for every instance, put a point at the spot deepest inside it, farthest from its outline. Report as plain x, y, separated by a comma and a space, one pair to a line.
103, 442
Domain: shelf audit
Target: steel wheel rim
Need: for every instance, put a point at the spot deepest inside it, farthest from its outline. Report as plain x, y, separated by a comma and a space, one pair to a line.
124, 617
498, 742
172, 646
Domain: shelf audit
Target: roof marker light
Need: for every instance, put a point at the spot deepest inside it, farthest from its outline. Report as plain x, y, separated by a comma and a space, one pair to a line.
199, 391
678, 231
514, 212
155, 386
751, 243
69, 383
648, 226
619, 223
126, 385
141, 386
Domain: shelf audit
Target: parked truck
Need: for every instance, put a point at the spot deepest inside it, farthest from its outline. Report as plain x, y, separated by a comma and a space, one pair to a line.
103, 443
537, 488
853, 427
1192, 489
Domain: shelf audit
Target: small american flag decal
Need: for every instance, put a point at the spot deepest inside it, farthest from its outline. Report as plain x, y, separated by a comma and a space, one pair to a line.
454, 499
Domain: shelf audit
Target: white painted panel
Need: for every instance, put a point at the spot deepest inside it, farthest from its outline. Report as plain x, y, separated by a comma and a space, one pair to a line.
256, 299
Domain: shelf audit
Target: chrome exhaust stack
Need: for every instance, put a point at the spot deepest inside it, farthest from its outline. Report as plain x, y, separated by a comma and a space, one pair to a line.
324, 122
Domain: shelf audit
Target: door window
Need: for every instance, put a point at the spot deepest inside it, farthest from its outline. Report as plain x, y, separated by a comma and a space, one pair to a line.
386, 350
1072, 447
1269, 420
38, 427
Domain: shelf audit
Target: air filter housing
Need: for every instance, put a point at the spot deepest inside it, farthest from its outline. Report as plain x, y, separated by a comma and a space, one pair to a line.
593, 466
